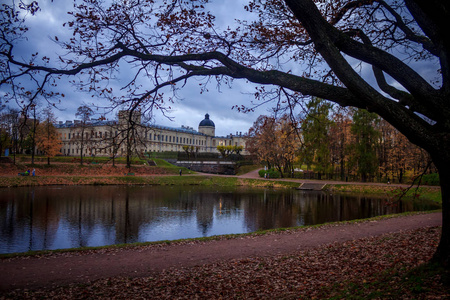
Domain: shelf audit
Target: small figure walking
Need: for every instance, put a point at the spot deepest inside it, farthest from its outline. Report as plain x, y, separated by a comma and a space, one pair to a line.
34, 172
180, 172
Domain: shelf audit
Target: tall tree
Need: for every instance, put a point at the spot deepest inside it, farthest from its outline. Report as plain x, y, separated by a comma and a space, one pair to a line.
339, 138
261, 141
9, 125
82, 137
365, 143
169, 42
31, 124
47, 139
288, 144
274, 142
315, 129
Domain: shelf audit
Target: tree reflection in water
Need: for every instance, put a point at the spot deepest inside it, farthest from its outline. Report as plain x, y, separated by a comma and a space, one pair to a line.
64, 217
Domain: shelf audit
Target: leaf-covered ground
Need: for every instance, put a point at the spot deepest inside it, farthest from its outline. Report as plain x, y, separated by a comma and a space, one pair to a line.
391, 266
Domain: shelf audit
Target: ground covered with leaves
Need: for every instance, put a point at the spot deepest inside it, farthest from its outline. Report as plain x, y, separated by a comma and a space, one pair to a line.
391, 266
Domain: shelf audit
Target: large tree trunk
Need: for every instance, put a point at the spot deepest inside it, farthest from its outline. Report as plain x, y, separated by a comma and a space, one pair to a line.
442, 254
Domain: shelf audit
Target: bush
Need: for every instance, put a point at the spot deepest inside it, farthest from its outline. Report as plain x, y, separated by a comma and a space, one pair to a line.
431, 179
271, 173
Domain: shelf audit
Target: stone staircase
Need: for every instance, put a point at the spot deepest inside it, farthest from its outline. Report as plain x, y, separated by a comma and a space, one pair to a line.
309, 186
151, 162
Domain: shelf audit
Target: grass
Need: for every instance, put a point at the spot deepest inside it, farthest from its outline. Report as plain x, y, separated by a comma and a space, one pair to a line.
391, 191
192, 179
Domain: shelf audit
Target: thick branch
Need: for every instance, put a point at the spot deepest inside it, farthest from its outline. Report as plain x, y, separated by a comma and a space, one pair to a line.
330, 42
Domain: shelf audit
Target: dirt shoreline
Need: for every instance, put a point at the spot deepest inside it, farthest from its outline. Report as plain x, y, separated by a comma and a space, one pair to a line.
49, 271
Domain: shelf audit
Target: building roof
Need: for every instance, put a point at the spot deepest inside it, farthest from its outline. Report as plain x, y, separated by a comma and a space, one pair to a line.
207, 122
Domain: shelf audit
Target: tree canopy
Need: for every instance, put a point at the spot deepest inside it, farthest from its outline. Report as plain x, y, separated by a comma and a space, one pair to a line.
293, 48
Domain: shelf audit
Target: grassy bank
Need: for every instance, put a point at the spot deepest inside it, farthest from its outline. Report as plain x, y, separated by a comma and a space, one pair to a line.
17, 181
390, 191
165, 175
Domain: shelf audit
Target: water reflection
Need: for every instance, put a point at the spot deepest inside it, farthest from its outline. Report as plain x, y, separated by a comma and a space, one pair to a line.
65, 217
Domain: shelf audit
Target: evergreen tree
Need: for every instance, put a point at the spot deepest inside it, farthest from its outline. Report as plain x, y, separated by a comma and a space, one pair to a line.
315, 132
364, 155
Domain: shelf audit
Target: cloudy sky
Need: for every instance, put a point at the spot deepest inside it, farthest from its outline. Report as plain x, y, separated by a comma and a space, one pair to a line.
191, 106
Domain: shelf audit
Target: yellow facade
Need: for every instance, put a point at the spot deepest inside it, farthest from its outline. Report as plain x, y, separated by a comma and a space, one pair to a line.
108, 138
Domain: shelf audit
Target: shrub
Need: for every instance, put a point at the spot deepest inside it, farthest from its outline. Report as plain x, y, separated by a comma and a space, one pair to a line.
271, 173
431, 179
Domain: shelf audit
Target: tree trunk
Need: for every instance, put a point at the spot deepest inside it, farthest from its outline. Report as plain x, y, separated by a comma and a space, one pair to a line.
442, 254
81, 152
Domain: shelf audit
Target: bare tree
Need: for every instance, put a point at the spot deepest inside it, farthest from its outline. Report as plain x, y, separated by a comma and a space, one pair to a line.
83, 137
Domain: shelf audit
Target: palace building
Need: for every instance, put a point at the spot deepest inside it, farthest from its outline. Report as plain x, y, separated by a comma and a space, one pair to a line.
128, 133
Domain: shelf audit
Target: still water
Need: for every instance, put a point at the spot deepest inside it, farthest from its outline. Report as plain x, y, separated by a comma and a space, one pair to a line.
37, 218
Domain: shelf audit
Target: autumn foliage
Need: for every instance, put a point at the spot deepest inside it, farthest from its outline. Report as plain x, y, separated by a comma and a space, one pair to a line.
337, 143
47, 140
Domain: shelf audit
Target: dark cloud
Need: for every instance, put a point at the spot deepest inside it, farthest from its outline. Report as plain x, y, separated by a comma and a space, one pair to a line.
191, 106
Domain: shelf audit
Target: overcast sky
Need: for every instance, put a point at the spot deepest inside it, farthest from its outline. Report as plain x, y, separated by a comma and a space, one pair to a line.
192, 106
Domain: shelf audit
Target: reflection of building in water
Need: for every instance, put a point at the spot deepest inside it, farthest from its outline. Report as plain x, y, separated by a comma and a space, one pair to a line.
107, 138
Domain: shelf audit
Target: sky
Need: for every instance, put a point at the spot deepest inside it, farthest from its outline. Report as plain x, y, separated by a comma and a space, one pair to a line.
190, 107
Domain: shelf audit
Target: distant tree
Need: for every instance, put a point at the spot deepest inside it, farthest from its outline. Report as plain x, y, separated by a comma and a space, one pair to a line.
261, 140
9, 119
315, 132
189, 151
274, 142
339, 135
5, 139
131, 133
238, 149
226, 151
31, 127
288, 144
83, 136
47, 138
363, 149
397, 155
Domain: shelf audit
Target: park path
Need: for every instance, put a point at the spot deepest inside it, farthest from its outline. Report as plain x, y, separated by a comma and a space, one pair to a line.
85, 266
254, 175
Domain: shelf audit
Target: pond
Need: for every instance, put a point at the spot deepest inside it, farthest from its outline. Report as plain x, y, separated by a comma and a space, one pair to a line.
39, 218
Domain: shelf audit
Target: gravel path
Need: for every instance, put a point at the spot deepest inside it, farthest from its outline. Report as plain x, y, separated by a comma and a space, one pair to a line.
83, 267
